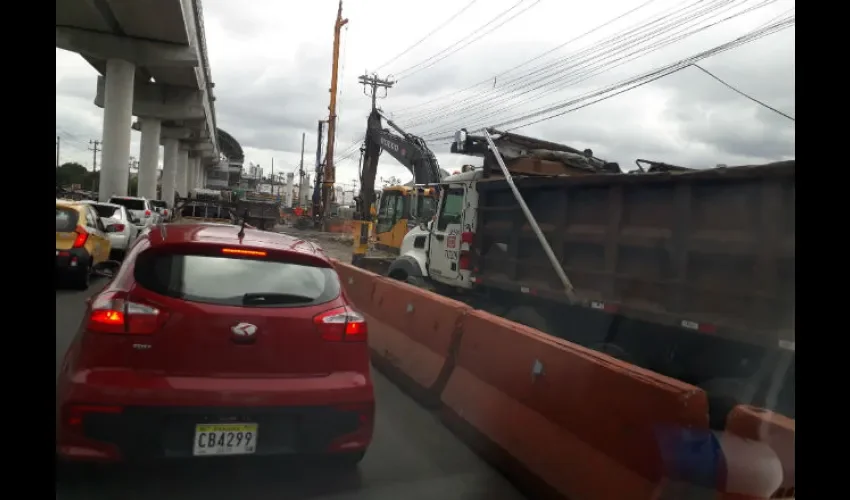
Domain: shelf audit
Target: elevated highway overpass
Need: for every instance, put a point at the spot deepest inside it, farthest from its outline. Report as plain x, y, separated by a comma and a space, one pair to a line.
152, 61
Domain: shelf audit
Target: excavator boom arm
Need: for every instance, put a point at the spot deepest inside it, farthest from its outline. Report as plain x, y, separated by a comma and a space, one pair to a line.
407, 149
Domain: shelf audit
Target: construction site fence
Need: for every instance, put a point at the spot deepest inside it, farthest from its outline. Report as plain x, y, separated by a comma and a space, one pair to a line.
561, 420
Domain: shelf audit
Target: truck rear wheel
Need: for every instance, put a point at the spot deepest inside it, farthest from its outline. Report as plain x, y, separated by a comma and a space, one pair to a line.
419, 282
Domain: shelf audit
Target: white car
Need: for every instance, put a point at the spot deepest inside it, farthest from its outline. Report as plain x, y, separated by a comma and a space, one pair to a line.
124, 231
141, 208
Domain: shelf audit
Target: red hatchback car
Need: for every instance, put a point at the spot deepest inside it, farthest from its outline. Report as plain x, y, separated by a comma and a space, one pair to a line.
209, 341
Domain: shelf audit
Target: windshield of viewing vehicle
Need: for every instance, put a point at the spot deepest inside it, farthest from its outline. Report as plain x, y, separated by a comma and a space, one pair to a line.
596, 300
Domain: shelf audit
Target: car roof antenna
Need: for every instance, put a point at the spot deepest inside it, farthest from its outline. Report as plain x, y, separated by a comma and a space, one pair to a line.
242, 229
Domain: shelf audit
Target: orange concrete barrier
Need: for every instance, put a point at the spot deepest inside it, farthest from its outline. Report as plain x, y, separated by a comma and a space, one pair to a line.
584, 423
413, 331
357, 283
776, 431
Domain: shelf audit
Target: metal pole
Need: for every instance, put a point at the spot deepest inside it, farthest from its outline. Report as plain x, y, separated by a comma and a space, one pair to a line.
568, 286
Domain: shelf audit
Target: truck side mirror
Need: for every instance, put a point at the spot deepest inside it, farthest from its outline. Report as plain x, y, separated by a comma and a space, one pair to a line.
460, 140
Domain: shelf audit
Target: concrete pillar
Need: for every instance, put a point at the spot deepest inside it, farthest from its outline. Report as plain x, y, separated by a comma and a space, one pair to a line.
169, 169
117, 118
192, 174
181, 173
290, 184
149, 157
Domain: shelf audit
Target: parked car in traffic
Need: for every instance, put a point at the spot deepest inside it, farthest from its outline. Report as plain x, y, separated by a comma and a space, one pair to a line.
217, 340
81, 242
141, 208
124, 231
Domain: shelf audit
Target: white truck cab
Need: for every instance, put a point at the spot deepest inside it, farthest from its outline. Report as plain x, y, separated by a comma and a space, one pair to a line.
440, 250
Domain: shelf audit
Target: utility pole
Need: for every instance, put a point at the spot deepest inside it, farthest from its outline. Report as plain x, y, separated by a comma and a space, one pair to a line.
301, 187
328, 178
95, 149
317, 195
371, 150
375, 83
58, 139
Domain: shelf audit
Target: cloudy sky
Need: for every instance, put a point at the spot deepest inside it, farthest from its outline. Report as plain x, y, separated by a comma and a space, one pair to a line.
271, 65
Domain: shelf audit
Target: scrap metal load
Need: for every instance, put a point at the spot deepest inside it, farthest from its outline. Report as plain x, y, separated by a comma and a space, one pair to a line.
205, 209
530, 156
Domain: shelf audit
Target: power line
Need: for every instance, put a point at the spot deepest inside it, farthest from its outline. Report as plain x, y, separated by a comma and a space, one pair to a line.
600, 57
640, 32
494, 77
640, 80
479, 37
470, 35
434, 31
587, 68
709, 73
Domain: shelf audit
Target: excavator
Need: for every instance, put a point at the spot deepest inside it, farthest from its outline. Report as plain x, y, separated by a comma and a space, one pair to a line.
400, 207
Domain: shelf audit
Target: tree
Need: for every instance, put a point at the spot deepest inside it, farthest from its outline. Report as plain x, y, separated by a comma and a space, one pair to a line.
71, 173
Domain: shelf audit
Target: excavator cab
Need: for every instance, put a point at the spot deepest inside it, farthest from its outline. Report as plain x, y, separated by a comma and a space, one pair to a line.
401, 208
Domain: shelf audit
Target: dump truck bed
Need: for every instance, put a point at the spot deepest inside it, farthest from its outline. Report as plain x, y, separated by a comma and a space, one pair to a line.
708, 250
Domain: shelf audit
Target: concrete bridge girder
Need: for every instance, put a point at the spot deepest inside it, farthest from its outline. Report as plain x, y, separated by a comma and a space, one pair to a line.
165, 102
138, 52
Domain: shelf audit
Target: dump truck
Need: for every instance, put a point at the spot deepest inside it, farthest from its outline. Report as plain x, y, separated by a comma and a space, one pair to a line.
260, 211
688, 273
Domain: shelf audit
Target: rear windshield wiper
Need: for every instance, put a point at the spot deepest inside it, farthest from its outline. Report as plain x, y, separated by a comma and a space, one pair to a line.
270, 298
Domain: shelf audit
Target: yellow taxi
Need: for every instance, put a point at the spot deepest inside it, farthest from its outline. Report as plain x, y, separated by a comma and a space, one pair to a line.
81, 242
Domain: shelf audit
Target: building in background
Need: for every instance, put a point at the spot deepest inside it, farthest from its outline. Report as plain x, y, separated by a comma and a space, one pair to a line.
227, 173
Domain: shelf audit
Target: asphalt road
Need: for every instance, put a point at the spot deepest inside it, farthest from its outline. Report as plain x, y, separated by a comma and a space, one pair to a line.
412, 457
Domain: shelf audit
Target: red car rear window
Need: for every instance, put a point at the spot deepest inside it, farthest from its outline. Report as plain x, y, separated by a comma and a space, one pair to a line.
235, 281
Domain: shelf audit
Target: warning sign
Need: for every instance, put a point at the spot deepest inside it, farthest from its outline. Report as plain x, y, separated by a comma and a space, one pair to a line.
451, 241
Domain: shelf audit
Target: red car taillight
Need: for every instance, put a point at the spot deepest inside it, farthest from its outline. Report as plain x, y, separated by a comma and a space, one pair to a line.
75, 414
147, 213
82, 237
112, 312
341, 324
119, 227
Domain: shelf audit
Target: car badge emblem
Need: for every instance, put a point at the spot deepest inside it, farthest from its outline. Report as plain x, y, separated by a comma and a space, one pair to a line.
244, 330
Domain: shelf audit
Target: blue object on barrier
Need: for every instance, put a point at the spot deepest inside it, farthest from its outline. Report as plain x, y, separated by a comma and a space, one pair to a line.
690, 455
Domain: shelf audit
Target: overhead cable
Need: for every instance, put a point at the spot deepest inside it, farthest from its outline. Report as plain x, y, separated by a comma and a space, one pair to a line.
429, 35
610, 91
585, 70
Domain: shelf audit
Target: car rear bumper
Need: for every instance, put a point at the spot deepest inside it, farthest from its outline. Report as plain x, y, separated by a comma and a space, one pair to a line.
129, 416
118, 241
75, 259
